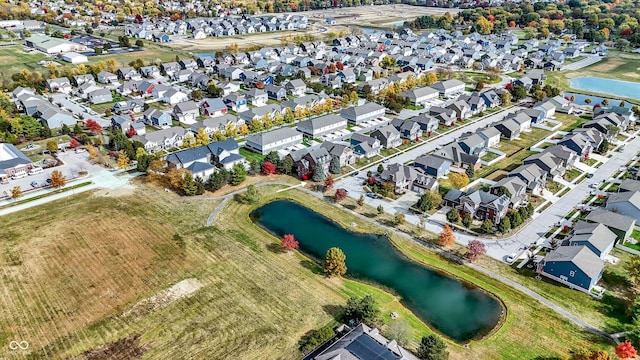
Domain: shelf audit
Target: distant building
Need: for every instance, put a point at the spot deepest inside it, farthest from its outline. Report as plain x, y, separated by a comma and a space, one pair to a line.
12, 162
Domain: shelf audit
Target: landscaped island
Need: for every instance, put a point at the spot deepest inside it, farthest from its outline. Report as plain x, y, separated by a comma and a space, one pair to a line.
457, 309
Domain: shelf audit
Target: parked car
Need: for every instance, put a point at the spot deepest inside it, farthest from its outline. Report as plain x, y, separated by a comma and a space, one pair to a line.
80, 150
511, 258
35, 170
589, 176
34, 184
372, 195
355, 173
49, 181
19, 175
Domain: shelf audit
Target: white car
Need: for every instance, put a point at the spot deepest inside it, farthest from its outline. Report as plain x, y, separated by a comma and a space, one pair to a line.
35, 170
511, 258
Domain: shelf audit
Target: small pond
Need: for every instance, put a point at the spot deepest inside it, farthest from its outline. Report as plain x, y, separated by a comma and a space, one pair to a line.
619, 88
456, 309
580, 100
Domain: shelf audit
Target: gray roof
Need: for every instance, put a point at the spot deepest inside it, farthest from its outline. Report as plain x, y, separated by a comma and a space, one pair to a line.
190, 155
273, 136
611, 219
430, 161
320, 122
362, 109
11, 157
597, 234
186, 106
632, 197
581, 256
630, 185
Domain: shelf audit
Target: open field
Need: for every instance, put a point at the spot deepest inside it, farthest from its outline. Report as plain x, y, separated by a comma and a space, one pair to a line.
13, 59
69, 275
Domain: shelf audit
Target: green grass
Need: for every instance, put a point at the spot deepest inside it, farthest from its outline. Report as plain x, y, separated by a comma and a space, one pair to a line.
490, 156
553, 186
570, 175
14, 59
37, 197
250, 155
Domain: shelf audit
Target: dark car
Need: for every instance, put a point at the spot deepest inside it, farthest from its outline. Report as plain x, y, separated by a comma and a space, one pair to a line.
34, 184
589, 176
355, 173
49, 181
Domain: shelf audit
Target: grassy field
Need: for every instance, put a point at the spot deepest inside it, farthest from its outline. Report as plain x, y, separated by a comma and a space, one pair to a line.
66, 285
13, 59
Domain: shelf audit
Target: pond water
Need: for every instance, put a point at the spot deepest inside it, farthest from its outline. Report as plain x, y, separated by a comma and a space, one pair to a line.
580, 100
620, 88
456, 309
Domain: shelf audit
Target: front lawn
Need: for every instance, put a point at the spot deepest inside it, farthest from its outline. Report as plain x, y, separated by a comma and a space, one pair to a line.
553, 186
572, 174
490, 156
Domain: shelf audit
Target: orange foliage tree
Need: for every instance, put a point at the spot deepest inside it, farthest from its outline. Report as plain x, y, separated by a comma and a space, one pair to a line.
446, 237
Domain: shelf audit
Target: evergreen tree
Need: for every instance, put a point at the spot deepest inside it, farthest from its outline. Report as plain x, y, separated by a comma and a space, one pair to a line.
285, 166
335, 262
189, 187
318, 173
334, 166
432, 348
467, 220
238, 174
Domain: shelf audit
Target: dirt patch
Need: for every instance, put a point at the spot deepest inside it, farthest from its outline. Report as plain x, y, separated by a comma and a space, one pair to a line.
163, 298
125, 190
123, 349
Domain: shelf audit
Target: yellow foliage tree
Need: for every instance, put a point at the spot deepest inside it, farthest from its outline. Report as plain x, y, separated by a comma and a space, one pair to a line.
458, 180
202, 138
230, 130
244, 130
123, 160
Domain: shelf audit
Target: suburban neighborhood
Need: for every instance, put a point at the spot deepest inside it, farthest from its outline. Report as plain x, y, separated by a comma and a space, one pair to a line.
422, 189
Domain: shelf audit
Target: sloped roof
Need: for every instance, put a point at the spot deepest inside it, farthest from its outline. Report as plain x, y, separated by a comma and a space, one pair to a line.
581, 256
611, 219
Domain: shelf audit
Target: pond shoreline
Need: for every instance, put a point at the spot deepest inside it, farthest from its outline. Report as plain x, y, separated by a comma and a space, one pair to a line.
468, 285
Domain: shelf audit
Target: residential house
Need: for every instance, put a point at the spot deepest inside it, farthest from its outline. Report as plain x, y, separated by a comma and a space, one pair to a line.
173, 96
449, 88
349, 346
461, 108
164, 139
196, 160
236, 102
490, 135
226, 154
408, 129
100, 96
561, 104
445, 116
157, 118
128, 125
55, 118
129, 106
273, 140
105, 77
454, 154
491, 98
625, 203
428, 124
621, 225
508, 128
479, 204
257, 97
629, 185
433, 165
532, 175
575, 266
342, 151
592, 135
421, 96
213, 107
319, 126
260, 112
408, 178
296, 87
597, 237
364, 145
306, 160
61, 85
567, 157
473, 144
388, 135
363, 113
548, 162
219, 123
186, 112
276, 92
513, 188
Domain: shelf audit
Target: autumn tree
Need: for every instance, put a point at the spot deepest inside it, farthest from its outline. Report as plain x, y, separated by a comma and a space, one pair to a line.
475, 249
329, 182
380, 209
288, 242
202, 138
458, 180
57, 179
360, 201
123, 160
335, 262
399, 218
432, 348
93, 127
189, 186
447, 237
362, 310
626, 351
268, 168
340, 195
52, 146
176, 178
593, 355
16, 192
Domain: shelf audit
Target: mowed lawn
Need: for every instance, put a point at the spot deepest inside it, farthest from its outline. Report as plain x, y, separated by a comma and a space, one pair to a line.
71, 268
13, 59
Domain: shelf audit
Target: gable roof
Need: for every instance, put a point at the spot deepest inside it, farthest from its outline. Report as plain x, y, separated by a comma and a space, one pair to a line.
581, 256
596, 234
611, 219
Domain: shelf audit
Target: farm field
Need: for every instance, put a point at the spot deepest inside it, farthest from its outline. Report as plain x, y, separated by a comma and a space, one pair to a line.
74, 270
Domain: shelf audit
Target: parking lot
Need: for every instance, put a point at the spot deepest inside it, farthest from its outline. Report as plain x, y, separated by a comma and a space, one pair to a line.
72, 165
